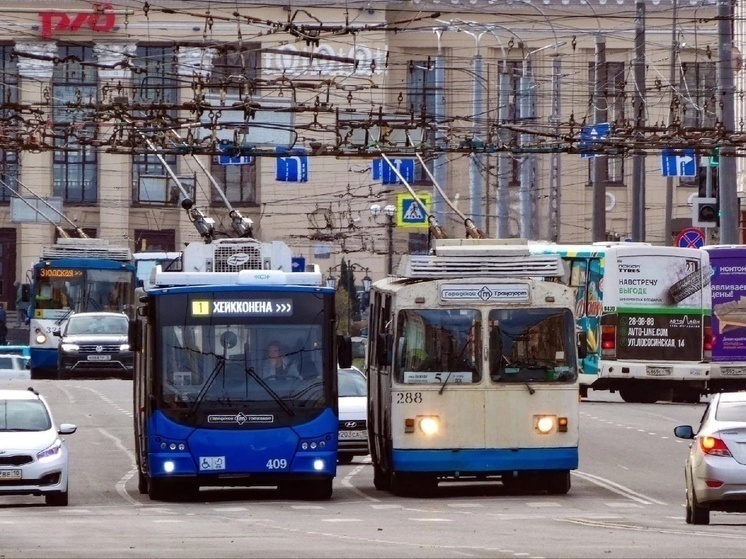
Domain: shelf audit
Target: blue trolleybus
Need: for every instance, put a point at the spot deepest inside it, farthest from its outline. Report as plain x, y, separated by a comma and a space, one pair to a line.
74, 275
211, 409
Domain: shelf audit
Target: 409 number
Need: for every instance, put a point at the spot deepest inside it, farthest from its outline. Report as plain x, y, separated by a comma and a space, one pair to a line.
408, 397
277, 464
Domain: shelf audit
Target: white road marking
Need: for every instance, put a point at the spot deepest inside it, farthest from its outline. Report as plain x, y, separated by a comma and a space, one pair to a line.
120, 485
617, 488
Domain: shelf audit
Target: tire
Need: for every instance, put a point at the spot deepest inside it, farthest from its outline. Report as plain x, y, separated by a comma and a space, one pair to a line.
345, 458
381, 480
320, 490
142, 483
696, 513
56, 499
558, 483
159, 489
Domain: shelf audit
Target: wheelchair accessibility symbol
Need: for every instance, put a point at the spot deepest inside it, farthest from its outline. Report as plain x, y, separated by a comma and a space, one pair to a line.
207, 463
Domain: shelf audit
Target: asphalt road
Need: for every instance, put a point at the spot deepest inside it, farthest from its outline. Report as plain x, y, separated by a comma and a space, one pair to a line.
627, 500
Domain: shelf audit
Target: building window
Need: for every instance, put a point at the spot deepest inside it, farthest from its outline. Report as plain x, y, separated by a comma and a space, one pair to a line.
233, 76
155, 86
612, 74
8, 131
75, 165
422, 94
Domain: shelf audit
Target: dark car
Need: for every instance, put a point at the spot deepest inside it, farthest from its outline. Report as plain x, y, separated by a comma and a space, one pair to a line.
95, 345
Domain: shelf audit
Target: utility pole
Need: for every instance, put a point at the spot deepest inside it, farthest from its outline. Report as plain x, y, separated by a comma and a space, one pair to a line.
599, 161
524, 192
638, 163
667, 231
727, 193
555, 175
504, 167
476, 167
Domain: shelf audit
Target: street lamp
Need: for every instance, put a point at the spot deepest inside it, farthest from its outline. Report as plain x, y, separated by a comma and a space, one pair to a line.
332, 281
389, 211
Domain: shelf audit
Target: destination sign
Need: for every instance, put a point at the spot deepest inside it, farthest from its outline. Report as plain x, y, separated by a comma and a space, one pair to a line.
244, 307
60, 273
482, 292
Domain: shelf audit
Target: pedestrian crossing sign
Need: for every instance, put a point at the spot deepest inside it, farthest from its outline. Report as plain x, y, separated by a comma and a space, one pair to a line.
409, 213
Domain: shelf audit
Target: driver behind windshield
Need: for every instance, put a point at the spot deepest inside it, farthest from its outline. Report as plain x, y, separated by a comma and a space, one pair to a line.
277, 366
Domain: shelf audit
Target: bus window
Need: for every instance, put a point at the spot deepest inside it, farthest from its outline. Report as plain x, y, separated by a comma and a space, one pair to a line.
534, 345
436, 341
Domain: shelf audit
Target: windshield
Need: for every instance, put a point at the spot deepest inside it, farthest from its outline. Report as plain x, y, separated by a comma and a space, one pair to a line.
93, 324
256, 368
435, 345
24, 415
58, 291
351, 383
535, 345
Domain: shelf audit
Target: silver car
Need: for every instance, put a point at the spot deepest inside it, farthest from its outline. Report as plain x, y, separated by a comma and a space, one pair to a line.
715, 469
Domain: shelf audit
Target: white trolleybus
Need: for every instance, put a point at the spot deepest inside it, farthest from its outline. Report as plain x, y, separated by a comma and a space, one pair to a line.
473, 370
645, 311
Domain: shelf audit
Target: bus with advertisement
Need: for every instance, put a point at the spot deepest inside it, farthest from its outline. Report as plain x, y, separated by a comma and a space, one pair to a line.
728, 285
473, 371
204, 391
646, 314
74, 275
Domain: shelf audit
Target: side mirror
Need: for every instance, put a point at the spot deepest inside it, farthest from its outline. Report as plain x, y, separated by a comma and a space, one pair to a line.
67, 429
344, 351
582, 345
25, 293
57, 332
384, 346
684, 432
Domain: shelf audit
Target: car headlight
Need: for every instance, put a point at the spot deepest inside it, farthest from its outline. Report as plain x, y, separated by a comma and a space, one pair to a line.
69, 347
124, 347
51, 452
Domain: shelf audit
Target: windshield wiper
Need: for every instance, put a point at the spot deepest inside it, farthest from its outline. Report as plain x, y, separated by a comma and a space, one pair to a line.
63, 317
208, 383
252, 373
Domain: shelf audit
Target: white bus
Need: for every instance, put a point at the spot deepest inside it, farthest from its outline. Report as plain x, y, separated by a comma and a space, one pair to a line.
472, 370
645, 311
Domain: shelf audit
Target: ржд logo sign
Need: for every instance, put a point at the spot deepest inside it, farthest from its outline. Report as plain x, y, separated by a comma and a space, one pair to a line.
101, 19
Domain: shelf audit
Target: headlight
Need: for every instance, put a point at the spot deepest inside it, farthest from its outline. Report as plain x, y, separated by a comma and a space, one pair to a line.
544, 423
50, 452
40, 338
430, 424
124, 347
69, 347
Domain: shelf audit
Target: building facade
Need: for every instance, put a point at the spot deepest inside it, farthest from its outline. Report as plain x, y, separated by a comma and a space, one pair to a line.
116, 114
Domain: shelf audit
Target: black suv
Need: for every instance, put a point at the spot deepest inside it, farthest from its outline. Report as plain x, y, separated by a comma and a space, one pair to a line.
95, 344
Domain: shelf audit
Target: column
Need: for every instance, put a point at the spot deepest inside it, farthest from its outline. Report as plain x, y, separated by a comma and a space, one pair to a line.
35, 68
114, 169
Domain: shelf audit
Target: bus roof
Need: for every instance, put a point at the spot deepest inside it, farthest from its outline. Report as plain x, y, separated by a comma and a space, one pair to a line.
239, 278
85, 248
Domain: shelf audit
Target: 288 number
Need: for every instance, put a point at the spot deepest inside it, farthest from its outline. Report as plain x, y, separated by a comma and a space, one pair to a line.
408, 397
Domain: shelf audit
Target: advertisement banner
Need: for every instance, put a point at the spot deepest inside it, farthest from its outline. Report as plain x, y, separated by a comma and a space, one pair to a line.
729, 305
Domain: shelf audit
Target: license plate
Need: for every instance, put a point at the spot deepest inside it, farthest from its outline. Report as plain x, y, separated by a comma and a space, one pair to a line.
357, 435
658, 371
10, 474
732, 371
99, 358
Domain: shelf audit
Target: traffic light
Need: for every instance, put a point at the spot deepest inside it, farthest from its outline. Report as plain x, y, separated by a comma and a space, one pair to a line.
706, 209
705, 212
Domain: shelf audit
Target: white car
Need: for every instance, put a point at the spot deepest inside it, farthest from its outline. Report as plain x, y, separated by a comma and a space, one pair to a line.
13, 367
33, 456
353, 433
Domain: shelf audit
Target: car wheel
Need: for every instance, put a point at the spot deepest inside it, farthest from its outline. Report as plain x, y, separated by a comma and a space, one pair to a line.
56, 499
695, 514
